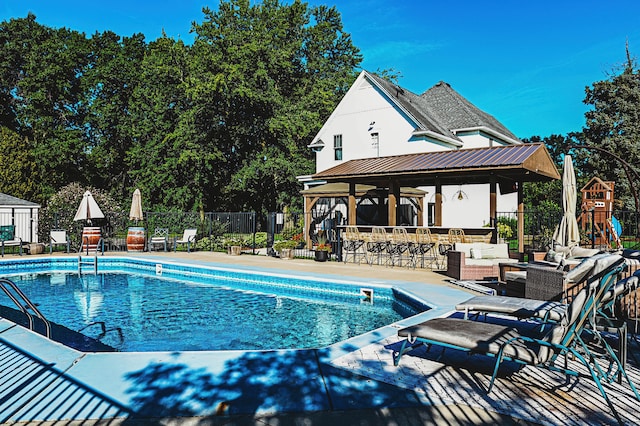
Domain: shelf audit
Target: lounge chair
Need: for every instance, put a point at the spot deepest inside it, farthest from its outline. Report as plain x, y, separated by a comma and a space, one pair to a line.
159, 238
188, 238
524, 346
58, 238
590, 269
8, 238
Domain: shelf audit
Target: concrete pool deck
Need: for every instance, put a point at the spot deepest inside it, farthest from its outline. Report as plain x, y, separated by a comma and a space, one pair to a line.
352, 382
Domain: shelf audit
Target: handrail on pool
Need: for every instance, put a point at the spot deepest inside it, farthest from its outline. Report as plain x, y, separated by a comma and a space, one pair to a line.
3, 284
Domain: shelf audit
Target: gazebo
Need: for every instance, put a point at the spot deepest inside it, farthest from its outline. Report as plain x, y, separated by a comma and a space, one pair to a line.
505, 166
332, 197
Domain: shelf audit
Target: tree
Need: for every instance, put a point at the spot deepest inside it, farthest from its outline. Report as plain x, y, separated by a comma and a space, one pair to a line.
109, 85
264, 78
156, 106
17, 175
42, 97
614, 125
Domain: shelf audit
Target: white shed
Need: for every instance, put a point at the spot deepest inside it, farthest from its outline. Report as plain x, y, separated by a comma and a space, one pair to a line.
22, 214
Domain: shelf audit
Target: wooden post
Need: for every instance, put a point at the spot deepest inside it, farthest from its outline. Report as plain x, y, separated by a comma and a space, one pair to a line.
520, 220
352, 211
493, 199
309, 203
438, 218
394, 199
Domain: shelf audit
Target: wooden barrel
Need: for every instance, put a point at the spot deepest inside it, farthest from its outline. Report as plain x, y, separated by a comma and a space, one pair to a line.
90, 237
135, 239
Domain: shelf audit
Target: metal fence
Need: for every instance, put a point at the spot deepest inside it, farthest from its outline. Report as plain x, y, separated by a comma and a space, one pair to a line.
215, 229
539, 226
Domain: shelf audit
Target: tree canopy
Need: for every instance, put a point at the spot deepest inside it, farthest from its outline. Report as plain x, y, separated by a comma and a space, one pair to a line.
221, 124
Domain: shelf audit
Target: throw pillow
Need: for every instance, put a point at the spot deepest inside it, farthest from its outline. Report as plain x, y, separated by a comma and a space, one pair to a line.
476, 253
489, 253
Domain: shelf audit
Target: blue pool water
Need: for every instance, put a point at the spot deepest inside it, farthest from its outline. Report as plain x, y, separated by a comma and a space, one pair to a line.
208, 311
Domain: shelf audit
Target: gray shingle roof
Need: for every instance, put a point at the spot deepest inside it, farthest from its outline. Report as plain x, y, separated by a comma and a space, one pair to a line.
415, 106
8, 200
442, 110
456, 112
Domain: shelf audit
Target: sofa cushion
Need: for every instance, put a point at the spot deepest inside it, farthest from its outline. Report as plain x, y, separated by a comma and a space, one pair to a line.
480, 262
486, 250
464, 248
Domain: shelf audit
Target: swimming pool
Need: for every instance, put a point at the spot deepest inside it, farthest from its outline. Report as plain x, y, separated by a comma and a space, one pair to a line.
173, 307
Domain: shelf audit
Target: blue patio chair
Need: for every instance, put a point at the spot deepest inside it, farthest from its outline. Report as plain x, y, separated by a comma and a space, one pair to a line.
8, 238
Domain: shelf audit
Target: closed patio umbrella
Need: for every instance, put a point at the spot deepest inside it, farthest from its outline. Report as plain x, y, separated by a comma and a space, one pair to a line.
567, 233
136, 206
88, 209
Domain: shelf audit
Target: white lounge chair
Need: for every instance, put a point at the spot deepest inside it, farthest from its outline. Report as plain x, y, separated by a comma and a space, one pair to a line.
188, 238
58, 238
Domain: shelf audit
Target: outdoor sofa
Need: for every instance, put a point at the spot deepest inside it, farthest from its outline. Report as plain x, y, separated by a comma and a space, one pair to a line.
477, 261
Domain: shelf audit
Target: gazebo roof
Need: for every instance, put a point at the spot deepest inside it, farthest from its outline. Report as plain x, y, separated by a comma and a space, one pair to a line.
341, 189
526, 163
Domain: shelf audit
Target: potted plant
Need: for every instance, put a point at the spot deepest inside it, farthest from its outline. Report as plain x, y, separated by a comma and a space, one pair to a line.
322, 249
285, 248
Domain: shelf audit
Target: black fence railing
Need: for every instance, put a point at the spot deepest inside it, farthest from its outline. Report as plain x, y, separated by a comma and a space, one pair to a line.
303, 232
597, 228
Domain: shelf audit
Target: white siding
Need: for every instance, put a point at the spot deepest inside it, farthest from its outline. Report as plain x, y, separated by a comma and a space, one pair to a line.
25, 220
365, 110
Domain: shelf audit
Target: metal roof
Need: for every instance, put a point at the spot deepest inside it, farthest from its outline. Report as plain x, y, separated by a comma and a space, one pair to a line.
337, 189
527, 163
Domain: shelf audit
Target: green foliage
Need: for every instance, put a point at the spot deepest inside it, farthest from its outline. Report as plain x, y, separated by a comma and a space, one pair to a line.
18, 172
261, 239
220, 125
613, 124
506, 226
62, 207
209, 244
284, 244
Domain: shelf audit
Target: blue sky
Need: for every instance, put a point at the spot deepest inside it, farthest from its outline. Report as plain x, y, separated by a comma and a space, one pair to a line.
526, 63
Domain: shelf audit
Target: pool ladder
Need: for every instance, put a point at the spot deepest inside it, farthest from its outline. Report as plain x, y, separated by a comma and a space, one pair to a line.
15, 294
88, 262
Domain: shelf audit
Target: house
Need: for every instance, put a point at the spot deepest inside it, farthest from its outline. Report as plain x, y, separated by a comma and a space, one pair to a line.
377, 118
22, 214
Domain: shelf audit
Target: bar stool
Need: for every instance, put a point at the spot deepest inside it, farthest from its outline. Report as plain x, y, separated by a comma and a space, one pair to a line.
354, 245
426, 247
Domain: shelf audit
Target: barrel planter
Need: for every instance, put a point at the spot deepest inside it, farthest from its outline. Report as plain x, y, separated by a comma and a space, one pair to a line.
135, 239
90, 238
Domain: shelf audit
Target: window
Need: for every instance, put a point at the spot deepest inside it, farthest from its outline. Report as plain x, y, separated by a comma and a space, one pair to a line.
431, 214
375, 143
337, 147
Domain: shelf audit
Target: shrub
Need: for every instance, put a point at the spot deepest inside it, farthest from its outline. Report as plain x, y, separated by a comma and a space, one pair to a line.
261, 239
284, 244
